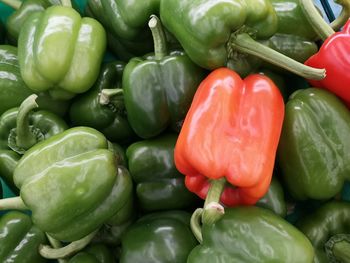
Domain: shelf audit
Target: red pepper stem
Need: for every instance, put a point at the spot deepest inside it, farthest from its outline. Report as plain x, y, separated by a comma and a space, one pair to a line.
107, 94
344, 15
322, 29
213, 210
243, 43
160, 44
338, 248
15, 4
15, 203
196, 224
25, 138
49, 252
56, 244
67, 3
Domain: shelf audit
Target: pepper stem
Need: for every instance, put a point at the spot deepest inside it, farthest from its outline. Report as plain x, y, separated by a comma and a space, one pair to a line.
106, 94
322, 29
25, 138
343, 16
160, 44
195, 223
338, 248
56, 244
213, 210
15, 203
245, 44
15, 4
49, 252
67, 3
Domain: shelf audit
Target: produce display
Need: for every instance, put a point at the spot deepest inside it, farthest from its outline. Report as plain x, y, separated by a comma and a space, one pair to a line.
174, 131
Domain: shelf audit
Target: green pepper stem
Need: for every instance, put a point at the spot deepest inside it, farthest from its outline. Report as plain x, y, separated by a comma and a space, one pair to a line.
338, 248
160, 44
195, 223
25, 137
49, 252
56, 244
213, 210
15, 203
106, 94
245, 44
343, 16
15, 4
322, 29
67, 3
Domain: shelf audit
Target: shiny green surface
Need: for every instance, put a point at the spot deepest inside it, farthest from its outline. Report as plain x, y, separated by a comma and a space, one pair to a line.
331, 219
159, 186
94, 253
204, 27
110, 119
81, 43
252, 234
163, 237
20, 239
314, 148
71, 183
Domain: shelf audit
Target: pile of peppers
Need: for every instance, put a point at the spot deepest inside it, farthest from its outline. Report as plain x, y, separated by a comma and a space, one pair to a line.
174, 131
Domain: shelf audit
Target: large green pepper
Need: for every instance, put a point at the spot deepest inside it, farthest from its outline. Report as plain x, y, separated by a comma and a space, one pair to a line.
328, 229
110, 117
20, 239
159, 186
8, 162
314, 148
158, 88
13, 90
163, 237
251, 234
21, 128
72, 183
80, 43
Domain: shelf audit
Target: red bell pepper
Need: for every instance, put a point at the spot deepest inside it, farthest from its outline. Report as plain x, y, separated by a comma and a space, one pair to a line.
334, 54
231, 131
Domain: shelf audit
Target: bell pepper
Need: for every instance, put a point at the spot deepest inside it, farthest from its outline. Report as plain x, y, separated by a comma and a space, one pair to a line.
313, 151
8, 162
20, 239
21, 128
80, 43
160, 237
251, 234
13, 90
158, 88
95, 253
231, 132
71, 183
110, 117
159, 186
219, 34
328, 229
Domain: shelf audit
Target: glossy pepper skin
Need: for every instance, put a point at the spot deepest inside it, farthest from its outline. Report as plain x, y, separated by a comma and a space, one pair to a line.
81, 43
322, 227
204, 28
333, 55
87, 186
231, 131
313, 152
13, 90
162, 237
251, 234
20, 239
159, 186
94, 253
110, 119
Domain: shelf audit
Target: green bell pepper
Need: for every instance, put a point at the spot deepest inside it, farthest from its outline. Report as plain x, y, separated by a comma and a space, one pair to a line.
72, 183
8, 162
20, 239
328, 229
159, 185
110, 117
158, 88
80, 43
162, 237
251, 234
94, 253
13, 90
21, 128
314, 148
